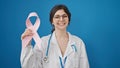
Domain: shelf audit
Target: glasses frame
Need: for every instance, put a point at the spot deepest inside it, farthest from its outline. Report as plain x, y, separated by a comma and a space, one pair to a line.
58, 17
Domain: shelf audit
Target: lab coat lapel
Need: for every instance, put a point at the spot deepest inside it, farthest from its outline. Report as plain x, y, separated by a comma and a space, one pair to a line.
55, 44
69, 49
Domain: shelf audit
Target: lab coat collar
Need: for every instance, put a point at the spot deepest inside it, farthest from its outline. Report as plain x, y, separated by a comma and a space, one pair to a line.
69, 49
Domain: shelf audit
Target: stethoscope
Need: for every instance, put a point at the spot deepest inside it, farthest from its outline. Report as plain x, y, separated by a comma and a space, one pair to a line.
45, 59
48, 47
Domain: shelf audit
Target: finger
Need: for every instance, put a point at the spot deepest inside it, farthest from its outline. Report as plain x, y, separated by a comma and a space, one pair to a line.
28, 30
26, 35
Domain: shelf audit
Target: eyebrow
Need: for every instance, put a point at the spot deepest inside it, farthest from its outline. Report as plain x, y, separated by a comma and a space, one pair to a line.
60, 15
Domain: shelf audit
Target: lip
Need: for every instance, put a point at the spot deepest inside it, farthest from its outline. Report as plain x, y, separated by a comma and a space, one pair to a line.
61, 24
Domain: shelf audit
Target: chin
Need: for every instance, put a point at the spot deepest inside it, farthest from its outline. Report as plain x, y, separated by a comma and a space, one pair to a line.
62, 28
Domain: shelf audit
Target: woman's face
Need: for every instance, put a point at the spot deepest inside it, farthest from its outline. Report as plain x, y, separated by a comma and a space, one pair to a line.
60, 20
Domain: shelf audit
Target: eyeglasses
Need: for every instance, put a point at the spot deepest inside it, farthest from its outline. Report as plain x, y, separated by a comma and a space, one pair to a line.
58, 16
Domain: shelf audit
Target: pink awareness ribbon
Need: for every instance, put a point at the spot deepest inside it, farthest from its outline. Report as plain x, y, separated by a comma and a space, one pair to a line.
34, 29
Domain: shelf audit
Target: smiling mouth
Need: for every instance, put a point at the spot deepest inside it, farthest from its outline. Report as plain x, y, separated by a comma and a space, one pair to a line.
61, 24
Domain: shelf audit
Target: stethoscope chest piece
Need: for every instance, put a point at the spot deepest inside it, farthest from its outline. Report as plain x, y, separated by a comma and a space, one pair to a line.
45, 59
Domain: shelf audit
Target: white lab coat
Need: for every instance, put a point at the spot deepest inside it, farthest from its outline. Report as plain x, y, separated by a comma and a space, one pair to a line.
33, 57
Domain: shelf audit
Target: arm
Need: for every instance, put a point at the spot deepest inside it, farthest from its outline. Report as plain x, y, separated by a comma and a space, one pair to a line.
83, 57
31, 57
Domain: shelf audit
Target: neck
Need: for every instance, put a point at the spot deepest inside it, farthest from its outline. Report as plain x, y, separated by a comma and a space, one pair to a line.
61, 33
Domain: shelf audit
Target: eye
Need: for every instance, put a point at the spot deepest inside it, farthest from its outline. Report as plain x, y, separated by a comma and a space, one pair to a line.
57, 17
64, 16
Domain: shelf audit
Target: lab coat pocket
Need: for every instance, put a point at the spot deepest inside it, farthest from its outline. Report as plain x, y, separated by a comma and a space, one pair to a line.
76, 60
73, 60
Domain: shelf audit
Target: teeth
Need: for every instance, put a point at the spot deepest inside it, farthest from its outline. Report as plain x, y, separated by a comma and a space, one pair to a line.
61, 24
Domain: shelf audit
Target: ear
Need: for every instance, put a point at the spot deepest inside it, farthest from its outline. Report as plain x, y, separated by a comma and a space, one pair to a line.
52, 23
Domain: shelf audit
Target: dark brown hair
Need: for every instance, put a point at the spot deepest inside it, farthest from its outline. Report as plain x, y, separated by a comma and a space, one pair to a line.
55, 9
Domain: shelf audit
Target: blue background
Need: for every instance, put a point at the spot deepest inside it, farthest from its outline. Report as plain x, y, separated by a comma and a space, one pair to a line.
96, 22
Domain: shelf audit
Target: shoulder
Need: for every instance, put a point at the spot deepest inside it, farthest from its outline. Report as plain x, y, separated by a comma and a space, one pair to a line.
75, 38
45, 41
78, 42
44, 38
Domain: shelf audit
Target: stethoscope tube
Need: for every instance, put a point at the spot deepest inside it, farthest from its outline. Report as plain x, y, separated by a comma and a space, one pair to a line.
46, 56
48, 45
74, 47
61, 63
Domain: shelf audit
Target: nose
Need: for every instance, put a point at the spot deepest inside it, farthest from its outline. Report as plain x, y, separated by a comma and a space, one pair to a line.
61, 18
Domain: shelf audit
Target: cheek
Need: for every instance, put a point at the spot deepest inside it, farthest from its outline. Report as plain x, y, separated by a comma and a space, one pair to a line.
67, 21
54, 21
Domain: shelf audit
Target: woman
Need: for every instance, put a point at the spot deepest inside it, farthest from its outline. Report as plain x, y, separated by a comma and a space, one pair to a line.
60, 49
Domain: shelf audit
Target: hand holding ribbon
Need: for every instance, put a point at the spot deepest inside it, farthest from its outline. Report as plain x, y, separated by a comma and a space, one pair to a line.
34, 29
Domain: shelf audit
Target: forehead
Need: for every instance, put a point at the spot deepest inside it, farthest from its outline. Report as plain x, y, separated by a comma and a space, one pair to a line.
60, 12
